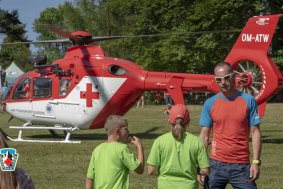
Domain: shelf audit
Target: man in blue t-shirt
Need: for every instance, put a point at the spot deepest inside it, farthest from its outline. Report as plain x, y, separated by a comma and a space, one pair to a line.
232, 115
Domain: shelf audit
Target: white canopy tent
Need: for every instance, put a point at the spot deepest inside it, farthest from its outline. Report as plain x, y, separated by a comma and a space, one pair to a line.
12, 73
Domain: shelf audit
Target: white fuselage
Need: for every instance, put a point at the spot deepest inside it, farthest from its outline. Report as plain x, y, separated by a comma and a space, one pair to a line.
71, 110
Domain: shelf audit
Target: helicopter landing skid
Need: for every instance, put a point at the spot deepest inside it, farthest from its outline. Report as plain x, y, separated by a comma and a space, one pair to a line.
68, 131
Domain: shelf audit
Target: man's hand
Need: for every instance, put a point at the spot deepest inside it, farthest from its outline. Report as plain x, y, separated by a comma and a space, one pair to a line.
88, 183
254, 172
136, 141
201, 179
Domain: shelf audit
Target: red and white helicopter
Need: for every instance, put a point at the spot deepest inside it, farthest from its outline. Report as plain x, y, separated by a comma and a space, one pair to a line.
81, 90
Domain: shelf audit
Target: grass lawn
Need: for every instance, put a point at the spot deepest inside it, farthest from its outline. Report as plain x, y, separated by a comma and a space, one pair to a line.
65, 165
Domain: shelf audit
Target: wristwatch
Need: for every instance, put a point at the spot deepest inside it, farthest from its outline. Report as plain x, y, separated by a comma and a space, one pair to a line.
255, 161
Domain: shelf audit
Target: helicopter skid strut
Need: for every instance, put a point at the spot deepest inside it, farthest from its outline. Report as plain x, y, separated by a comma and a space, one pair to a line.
27, 126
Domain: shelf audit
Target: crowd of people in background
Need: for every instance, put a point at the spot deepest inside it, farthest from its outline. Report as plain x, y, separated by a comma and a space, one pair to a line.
141, 101
4, 90
167, 99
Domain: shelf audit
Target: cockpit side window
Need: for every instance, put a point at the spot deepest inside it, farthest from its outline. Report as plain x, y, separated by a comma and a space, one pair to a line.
64, 86
42, 87
22, 90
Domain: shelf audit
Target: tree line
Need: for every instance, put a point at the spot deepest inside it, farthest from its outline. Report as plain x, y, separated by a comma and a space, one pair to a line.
180, 47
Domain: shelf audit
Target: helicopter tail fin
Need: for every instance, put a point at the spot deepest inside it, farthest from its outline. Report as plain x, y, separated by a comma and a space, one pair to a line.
257, 33
256, 73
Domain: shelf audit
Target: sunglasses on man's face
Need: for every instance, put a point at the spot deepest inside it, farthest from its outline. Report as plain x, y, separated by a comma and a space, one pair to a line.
225, 78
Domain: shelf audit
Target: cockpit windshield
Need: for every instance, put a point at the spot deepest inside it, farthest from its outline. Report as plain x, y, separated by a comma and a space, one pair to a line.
22, 90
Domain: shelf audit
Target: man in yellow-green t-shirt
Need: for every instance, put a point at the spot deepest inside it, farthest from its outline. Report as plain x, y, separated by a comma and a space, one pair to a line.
176, 156
112, 160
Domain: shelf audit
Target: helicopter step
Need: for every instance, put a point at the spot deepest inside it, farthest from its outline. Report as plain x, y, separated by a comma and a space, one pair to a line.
27, 126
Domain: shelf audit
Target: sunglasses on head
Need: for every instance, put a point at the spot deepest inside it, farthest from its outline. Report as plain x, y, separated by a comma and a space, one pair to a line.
225, 78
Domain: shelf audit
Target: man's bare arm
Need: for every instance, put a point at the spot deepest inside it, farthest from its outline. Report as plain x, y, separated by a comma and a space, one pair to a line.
204, 135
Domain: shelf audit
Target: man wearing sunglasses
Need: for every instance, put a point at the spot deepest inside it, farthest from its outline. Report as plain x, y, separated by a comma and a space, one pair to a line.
232, 115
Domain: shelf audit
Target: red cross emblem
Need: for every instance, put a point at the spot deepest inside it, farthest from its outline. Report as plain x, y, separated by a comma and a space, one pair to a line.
8, 162
89, 95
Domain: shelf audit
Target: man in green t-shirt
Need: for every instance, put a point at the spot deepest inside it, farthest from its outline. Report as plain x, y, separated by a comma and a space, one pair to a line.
177, 155
112, 160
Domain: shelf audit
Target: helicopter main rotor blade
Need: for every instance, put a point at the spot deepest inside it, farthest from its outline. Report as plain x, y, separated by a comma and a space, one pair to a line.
161, 35
35, 42
62, 32
103, 38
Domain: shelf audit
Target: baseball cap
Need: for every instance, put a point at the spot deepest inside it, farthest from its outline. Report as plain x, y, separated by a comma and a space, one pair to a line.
113, 122
179, 111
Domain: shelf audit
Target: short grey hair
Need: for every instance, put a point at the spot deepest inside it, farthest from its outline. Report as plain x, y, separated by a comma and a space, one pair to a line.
221, 64
113, 122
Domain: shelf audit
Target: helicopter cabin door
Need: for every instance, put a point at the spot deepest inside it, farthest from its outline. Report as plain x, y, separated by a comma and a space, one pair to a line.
42, 93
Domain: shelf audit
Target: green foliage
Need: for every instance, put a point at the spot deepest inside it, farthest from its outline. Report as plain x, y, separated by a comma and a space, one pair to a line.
191, 52
17, 54
14, 31
11, 26
188, 53
68, 17
49, 16
279, 60
273, 6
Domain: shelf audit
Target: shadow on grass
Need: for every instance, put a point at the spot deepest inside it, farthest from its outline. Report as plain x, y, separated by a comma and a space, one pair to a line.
98, 136
267, 140
272, 131
273, 141
148, 134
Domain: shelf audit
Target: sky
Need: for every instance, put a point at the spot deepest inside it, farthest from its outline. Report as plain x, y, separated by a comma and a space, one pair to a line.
29, 10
